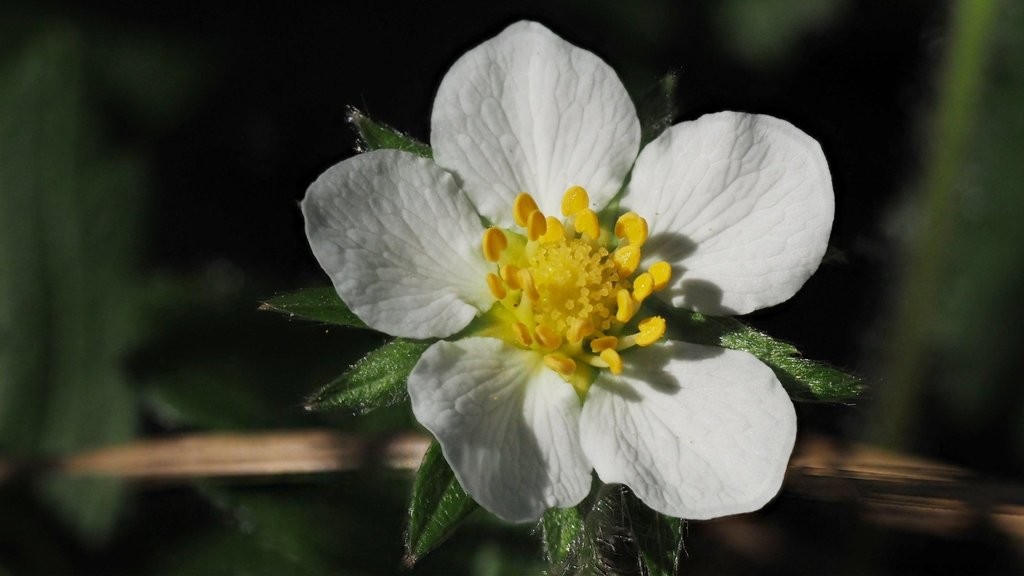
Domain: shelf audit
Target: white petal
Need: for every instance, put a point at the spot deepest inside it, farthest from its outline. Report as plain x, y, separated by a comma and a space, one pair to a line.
741, 205
508, 426
697, 432
400, 242
528, 112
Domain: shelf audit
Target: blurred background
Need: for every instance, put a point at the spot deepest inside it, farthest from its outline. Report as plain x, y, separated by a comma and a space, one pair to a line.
152, 157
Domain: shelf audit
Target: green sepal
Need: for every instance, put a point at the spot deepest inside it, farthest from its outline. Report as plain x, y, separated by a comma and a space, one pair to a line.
317, 304
560, 530
439, 505
377, 380
805, 380
614, 533
657, 108
374, 135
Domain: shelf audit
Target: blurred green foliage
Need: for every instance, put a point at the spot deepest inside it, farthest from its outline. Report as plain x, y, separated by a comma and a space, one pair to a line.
960, 320
68, 227
981, 312
764, 32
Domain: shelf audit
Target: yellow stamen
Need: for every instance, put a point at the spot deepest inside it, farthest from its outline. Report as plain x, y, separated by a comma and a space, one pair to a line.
529, 288
494, 243
510, 274
631, 227
643, 286
613, 359
555, 230
560, 363
661, 272
536, 225
547, 337
586, 223
523, 206
603, 343
627, 258
497, 287
522, 334
579, 329
626, 306
575, 200
651, 330
564, 294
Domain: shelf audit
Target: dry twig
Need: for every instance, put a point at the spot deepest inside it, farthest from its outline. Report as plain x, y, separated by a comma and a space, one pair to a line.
892, 488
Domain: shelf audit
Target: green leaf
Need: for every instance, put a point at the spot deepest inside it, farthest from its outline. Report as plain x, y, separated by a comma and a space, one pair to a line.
375, 381
377, 136
657, 109
805, 380
317, 304
439, 505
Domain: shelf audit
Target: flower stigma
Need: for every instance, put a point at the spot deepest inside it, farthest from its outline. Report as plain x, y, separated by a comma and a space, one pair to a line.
560, 291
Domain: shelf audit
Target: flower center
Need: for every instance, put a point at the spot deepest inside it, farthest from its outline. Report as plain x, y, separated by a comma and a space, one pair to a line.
576, 285
564, 294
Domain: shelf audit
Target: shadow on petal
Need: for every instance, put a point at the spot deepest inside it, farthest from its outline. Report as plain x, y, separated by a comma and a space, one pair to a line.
671, 247
621, 388
694, 294
701, 296
650, 365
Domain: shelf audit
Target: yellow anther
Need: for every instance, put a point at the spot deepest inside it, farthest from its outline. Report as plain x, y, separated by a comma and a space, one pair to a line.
603, 343
497, 287
555, 230
523, 206
613, 359
529, 288
522, 334
547, 337
661, 272
651, 330
510, 274
560, 363
494, 244
643, 285
631, 227
575, 200
626, 306
586, 223
579, 329
536, 225
563, 292
627, 258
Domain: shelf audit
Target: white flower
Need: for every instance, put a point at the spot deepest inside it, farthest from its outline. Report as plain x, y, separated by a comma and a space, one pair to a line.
560, 376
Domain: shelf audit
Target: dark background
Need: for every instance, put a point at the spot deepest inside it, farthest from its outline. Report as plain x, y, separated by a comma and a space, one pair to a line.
152, 157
